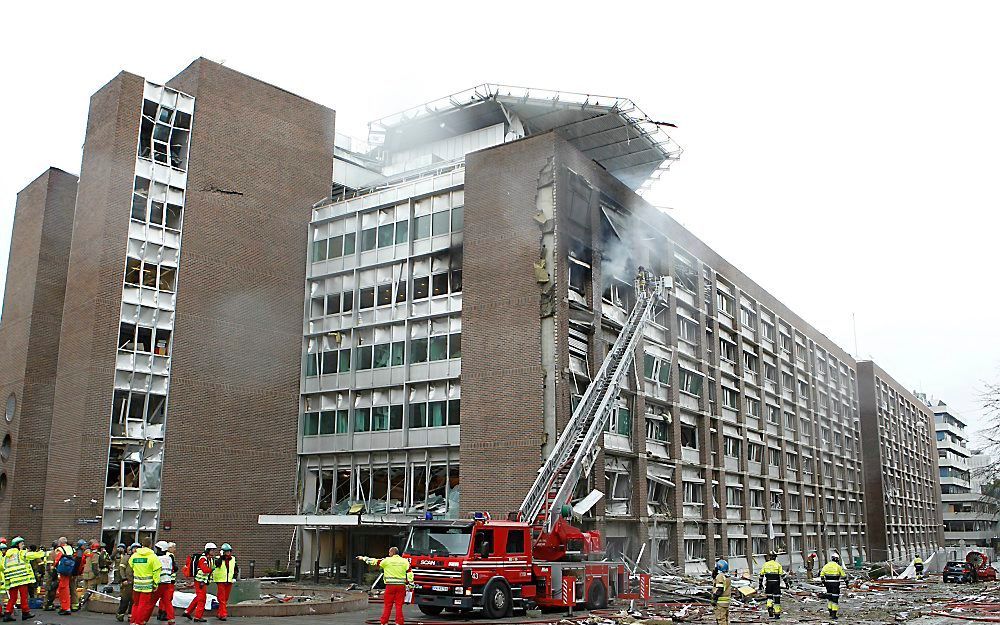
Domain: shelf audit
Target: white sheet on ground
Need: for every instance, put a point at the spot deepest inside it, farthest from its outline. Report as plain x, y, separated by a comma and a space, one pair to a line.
184, 599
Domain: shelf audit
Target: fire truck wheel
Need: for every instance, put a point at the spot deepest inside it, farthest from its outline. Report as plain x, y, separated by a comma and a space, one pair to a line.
431, 610
597, 596
496, 599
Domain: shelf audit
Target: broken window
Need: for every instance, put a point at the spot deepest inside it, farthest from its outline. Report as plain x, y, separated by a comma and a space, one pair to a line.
694, 492
732, 447
687, 329
579, 200
685, 272
618, 485
689, 436
690, 381
163, 134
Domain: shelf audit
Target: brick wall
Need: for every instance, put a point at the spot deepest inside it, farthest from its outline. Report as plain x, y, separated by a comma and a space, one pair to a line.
29, 341
260, 157
502, 377
78, 444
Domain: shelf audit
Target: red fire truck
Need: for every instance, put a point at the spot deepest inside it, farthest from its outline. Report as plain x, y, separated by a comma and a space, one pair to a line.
537, 558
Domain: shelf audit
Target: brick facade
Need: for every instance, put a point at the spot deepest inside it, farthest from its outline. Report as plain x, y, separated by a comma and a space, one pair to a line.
78, 444
29, 341
502, 377
260, 156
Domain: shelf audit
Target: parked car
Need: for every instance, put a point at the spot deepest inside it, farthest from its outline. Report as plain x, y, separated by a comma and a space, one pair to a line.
959, 572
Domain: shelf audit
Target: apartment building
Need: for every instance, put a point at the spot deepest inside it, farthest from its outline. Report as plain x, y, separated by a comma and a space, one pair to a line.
171, 311
966, 522
464, 287
903, 491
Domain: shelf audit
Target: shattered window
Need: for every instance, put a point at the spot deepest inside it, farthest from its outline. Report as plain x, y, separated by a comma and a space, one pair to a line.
689, 436
164, 134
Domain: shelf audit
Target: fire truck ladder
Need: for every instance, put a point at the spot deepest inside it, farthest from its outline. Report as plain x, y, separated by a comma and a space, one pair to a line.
576, 450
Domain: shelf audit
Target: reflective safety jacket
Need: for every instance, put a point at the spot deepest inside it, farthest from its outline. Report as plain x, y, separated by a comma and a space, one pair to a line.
17, 569
832, 571
722, 581
146, 569
204, 572
772, 573
225, 569
168, 568
917, 560
395, 569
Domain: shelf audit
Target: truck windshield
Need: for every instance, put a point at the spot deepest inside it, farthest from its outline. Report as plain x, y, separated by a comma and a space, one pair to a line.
439, 541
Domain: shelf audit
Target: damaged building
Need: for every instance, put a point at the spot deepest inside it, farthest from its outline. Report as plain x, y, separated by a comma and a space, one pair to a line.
464, 283
229, 359
160, 347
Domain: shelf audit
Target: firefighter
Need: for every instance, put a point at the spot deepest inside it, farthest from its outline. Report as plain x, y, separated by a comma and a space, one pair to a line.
918, 566
123, 572
810, 565
398, 577
103, 565
722, 591
146, 571
832, 575
19, 576
771, 576
51, 578
91, 568
168, 578
223, 575
202, 575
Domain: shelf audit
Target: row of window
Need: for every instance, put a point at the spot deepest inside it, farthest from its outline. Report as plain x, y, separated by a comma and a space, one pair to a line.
156, 203
389, 234
382, 418
387, 294
151, 275
379, 356
139, 339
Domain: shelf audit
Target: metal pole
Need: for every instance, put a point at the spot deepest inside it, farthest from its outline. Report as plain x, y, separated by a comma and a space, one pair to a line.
252, 563
316, 567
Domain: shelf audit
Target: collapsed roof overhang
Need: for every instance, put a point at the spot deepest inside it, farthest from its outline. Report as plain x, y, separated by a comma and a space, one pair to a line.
614, 132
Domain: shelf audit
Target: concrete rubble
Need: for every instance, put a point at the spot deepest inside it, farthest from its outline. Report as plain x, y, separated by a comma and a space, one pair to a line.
683, 599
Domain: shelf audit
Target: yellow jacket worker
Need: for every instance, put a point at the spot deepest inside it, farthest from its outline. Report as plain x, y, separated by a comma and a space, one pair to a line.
832, 575
397, 576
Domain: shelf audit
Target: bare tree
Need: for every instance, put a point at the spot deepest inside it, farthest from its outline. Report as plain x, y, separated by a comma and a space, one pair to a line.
989, 475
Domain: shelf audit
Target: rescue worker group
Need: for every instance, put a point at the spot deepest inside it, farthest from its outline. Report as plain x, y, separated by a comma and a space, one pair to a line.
772, 575
145, 575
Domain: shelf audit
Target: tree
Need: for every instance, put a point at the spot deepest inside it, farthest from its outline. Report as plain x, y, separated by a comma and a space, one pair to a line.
989, 475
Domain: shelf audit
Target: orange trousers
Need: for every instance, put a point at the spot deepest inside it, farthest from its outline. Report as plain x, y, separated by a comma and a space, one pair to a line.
165, 600
15, 592
65, 592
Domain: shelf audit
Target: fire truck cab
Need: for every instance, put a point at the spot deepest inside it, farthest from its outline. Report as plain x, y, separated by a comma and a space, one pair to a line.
461, 565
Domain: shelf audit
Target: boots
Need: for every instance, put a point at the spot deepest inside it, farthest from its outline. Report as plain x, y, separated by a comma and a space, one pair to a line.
8, 618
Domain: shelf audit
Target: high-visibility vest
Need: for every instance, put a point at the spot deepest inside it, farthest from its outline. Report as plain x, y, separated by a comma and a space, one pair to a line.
395, 569
772, 572
200, 575
167, 573
722, 581
917, 560
17, 569
145, 569
225, 571
833, 571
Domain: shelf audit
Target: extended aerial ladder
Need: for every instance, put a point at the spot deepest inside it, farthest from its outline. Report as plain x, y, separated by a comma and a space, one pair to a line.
575, 452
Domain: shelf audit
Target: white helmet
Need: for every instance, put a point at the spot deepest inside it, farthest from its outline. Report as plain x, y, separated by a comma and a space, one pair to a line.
835, 556
162, 545
210, 546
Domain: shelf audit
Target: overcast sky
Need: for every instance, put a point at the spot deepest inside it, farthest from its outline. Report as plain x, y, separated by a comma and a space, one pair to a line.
845, 156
